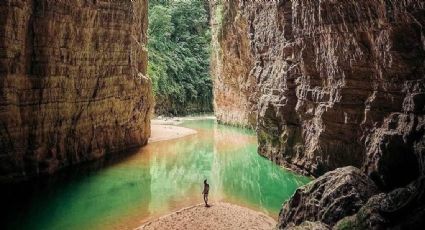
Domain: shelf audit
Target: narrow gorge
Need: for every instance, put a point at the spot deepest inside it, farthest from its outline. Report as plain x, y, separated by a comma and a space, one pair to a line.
328, 84
319, 114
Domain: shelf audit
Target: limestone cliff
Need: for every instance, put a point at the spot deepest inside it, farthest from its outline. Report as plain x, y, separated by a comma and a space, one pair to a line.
72, 82
334, 82
234, 86
337, 83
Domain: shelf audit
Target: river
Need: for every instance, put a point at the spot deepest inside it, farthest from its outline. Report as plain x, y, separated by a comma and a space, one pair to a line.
152, 181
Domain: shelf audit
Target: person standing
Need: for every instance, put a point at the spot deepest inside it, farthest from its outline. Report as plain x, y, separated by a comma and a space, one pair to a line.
205, 192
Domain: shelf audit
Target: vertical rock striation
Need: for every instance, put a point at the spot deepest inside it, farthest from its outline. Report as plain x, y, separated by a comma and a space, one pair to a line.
234, 86
337, 83
72, 82
333, 80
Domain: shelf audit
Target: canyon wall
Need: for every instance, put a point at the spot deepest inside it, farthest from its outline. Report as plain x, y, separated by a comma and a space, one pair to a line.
336, 83
73, 83
331, 83
234, 88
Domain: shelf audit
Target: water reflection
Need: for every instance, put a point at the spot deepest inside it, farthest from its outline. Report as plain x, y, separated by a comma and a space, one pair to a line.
83, 198
227, 157
159, 178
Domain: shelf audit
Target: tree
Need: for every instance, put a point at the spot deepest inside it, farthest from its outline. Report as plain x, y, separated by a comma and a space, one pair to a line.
179, 51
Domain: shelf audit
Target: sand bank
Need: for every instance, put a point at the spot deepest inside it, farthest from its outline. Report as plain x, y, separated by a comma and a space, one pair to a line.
163, 128
219, 216
168, 132
178, 120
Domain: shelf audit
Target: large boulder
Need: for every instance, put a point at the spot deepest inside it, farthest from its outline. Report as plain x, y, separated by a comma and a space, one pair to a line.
402, 208
329, 198
396, 153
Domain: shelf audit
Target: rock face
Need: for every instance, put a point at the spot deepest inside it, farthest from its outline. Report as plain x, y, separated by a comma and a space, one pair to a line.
396, 153
336, 82
402, 208
347, 199
231, 62
308, 225
329, 198
72, 82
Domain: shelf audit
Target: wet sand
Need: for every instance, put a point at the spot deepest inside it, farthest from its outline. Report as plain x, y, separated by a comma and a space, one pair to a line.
219, 215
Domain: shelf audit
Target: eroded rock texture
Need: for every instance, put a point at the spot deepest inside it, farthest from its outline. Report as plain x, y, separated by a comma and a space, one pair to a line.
337, 83
402, 208
234, 87
329, 198
308, 225
346, 198
72, 82
330, 78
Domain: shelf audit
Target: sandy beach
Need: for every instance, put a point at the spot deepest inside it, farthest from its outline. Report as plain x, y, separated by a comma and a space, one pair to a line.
163, 132
219, 216
163, 129
178, 120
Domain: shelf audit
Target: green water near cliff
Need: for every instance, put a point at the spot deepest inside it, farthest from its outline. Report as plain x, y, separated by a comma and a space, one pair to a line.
157, 179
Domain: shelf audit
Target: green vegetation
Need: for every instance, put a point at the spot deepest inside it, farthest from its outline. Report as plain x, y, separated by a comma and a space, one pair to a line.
179, 56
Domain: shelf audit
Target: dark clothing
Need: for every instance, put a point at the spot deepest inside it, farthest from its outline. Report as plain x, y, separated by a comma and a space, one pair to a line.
206, 189
205, 192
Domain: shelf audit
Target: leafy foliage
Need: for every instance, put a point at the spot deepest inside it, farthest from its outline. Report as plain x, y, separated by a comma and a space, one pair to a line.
179, 51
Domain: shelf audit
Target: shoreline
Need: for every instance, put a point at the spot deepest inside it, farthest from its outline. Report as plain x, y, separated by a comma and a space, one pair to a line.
168, 132
160, 120
219, 215
164, 128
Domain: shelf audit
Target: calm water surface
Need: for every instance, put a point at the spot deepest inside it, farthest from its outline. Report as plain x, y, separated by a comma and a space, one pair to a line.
157, 179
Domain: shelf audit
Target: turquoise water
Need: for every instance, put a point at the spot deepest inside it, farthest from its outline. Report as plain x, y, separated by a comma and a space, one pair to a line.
155, 180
